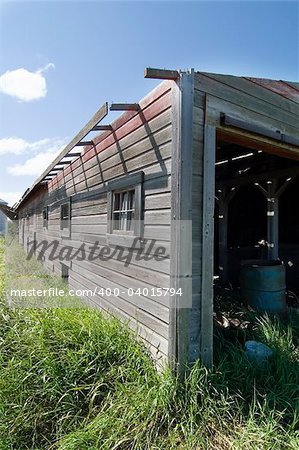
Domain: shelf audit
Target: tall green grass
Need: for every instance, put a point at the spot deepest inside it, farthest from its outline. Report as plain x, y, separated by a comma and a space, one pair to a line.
72, 379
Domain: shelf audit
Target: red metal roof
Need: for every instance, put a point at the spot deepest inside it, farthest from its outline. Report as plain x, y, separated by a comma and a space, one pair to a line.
287, 89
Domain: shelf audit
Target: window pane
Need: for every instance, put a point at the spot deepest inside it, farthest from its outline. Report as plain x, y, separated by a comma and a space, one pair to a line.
130, 222
116, 221
123, 210
65, 216
131, 200
123, 220
116, 205
124, 201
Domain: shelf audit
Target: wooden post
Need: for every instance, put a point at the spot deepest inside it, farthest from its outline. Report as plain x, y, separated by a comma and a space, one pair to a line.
272, 226
224, 196
209, 155
223, 216
272, 194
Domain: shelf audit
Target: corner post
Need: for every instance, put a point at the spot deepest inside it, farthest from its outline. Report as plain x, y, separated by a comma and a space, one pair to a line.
181, 221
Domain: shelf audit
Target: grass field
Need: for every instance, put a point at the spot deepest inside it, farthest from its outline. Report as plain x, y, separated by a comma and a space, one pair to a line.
71, 379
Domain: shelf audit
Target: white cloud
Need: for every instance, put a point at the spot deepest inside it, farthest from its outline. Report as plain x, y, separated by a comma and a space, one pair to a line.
25, 85
46, 151
33, 166
18, 146
11, 197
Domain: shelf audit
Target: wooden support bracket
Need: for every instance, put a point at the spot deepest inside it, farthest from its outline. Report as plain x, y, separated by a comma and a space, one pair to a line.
161, 74
84, 143
77, 140
102, 128
62, 163
72, 155
124, 107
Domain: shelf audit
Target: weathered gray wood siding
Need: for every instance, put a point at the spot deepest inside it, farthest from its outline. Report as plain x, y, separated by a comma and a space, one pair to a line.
139, 141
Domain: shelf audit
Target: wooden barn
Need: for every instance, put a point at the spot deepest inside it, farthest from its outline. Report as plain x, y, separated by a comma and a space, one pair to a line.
184, 185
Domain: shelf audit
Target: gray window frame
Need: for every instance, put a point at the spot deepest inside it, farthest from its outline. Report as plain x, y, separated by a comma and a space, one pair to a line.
45, 217
66, 231
129, 182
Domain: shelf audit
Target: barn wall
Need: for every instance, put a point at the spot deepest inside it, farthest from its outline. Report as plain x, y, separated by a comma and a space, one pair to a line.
245, 99
139, 141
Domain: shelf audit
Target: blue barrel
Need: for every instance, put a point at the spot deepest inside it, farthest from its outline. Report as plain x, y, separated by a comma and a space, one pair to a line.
263, 285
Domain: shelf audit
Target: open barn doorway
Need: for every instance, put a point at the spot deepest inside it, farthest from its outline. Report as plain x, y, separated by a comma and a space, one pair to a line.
256, 210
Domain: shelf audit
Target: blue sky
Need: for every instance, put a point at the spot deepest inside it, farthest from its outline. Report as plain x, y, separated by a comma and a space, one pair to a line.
60, 61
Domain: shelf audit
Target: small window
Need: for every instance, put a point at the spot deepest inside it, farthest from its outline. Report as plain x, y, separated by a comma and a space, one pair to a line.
125, 209
65, 219
65, 273
45, 217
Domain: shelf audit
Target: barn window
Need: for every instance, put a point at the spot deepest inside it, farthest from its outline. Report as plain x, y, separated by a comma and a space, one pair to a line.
45, 217
125, 209
65, 273
65, 219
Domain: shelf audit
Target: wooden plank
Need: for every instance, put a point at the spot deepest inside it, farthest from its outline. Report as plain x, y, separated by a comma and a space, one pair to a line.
157, 344
154, 110
255, 142
160, 217
217, 105
98, 116
102, 128
157, 230
245, 100
127, 145
124, 107
157, 185
162, 74
84, 143
157, 201
249, 87
277, 135
150, 313
138, 121
125, 279
150, 142
208, 246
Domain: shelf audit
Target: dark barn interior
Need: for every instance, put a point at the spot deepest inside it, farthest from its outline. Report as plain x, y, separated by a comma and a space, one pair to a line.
256, 211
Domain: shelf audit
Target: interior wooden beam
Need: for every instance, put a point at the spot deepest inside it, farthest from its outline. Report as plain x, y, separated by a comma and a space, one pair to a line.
277, 135
161, 74
255, 178
248, 140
